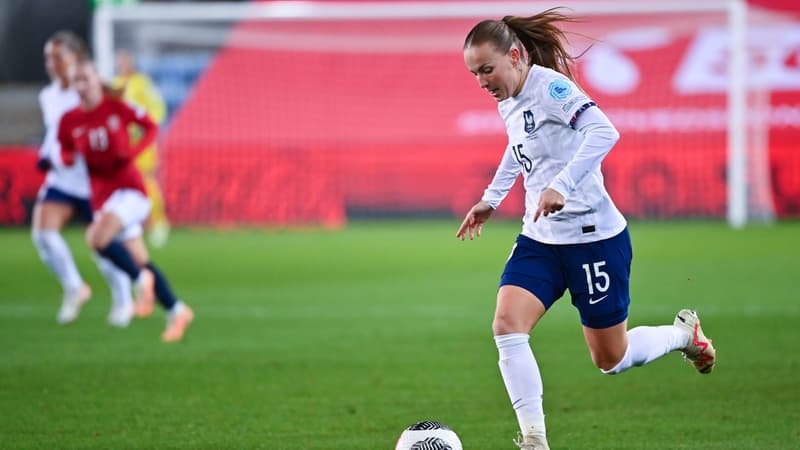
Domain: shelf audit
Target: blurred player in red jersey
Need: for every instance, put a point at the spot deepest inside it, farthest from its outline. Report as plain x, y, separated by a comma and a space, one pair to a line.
98, 130
65, 193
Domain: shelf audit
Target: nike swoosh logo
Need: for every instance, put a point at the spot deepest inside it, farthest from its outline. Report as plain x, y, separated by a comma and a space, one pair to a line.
593, 301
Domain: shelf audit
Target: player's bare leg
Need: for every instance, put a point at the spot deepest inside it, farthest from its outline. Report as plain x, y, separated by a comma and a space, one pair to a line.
100, 236
615, 350
132, 257
607, 346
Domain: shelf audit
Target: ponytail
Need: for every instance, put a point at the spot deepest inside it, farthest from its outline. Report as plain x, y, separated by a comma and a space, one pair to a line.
542, 40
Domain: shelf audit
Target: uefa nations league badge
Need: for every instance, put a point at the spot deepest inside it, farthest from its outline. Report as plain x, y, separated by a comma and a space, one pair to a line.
559, 89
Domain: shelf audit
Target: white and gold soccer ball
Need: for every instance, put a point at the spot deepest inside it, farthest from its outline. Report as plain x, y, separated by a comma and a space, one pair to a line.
428, 435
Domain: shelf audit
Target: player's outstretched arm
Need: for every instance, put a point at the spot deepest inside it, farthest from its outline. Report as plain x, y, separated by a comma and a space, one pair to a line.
473, 222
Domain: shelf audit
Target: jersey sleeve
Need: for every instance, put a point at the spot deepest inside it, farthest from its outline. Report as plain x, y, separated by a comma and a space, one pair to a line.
564, 100
49, 148
65, 140
599, 138
503, 180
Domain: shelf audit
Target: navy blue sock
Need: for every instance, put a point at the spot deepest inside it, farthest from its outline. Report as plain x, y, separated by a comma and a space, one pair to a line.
121, 257
163, 291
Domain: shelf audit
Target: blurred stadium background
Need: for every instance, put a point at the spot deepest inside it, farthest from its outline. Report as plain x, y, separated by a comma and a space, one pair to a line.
302, 119
315, 172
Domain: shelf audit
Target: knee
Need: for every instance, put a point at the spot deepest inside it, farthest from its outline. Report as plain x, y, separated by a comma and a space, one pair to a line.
505, 323
94, 241
604, 363
607, 361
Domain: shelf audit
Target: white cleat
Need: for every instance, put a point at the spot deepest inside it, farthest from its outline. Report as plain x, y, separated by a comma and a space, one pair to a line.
700, 351
532, 441
120, 315
159, 235
71, 304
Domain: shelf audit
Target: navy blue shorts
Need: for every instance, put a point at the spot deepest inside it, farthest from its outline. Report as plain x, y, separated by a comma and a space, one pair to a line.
597, 275
82, 207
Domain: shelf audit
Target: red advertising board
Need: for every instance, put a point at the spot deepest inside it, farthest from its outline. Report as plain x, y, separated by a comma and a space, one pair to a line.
310, 122
391, 121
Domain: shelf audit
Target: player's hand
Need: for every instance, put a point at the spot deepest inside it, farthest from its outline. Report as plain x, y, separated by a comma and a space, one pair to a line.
474, 221
44, 164
549, 202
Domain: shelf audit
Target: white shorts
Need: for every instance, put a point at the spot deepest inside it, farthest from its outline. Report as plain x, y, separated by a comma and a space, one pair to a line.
132, 209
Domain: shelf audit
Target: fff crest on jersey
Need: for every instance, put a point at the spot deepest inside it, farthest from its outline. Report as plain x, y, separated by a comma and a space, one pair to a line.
530, 124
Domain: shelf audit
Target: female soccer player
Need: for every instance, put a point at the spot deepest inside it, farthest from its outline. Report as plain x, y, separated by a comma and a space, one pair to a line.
98, 131
141, 92
573, 237
65, 192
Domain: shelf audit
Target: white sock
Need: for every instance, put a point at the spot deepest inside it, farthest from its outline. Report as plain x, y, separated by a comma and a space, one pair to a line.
177, 308
646, 344
118, 281
55, 253
522, 379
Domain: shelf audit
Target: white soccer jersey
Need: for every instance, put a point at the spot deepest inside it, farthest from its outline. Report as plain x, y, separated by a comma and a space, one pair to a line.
74, 180
543, 145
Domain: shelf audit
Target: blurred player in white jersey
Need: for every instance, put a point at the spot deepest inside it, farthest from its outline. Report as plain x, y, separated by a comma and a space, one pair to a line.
65, 192
573, 236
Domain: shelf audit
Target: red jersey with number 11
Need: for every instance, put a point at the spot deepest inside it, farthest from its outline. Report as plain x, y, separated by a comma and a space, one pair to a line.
101, 136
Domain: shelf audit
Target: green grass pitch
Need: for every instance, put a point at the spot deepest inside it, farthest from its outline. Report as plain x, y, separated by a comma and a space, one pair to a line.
316, 339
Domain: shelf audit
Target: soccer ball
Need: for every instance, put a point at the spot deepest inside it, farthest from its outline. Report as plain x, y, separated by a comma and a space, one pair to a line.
428, 435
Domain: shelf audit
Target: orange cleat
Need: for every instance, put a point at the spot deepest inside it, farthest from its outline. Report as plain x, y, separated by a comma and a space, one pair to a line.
177, 325
145, 295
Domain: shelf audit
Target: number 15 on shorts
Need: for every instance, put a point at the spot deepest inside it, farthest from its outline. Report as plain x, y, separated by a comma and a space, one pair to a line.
596, 279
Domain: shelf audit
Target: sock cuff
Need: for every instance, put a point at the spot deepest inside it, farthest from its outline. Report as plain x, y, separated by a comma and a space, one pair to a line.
511, 340
511, 346
623, 364
46, 234
176, 309
101, 261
